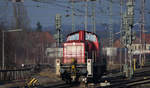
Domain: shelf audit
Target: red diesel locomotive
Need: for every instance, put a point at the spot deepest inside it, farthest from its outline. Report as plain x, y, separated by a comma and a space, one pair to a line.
82, 59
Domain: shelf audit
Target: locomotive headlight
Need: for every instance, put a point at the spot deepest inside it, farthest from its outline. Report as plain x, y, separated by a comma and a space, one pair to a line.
74, 43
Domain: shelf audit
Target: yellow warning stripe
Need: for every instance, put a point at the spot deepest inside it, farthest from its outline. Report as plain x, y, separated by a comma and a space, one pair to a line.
35, 81
30, 83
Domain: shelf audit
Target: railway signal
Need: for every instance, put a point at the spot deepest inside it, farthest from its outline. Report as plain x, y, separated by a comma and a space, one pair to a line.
58, 21
58, 28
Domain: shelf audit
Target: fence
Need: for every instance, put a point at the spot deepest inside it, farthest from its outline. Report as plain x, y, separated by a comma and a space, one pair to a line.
14, 74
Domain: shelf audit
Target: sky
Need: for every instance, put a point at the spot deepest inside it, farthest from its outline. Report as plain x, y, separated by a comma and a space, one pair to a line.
45, 12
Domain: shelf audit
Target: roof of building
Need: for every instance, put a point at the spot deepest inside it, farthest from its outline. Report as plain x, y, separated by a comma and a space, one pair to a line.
147, 38
118, 44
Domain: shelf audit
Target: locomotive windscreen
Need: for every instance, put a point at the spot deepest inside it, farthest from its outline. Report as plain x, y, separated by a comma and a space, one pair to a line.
73, 37
91, 37
73, 51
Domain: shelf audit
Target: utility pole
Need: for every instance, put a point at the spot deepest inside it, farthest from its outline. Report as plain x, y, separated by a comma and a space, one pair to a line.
3, 51
127, 36
58, 28
142, 34
86, 16
73, 13
93, 16
111, 30
130, 20
20, 14
121, 24
124, 37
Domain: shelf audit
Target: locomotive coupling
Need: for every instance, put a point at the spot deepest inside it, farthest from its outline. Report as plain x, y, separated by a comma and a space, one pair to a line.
73, 72
73, 69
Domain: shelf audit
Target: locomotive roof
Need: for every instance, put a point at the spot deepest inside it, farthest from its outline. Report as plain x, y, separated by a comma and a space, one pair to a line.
81, 30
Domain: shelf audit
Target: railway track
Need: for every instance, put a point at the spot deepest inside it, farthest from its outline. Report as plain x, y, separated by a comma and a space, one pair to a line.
139, 82
130, 83
56, 85
141, 76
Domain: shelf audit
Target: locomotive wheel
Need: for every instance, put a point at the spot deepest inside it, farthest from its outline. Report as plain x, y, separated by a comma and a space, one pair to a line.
68, 81
77, 80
